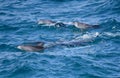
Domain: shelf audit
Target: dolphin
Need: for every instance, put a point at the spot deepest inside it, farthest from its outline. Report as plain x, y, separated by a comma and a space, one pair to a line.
84, 26
41, 45
37, 46
46, 22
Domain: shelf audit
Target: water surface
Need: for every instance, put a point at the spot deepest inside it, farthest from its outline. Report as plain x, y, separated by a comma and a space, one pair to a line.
18, 24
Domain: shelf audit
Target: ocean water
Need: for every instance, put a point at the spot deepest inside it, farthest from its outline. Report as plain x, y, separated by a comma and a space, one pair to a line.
18, 25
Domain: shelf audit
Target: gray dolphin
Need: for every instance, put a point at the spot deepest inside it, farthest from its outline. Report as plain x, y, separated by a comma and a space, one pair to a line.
83, 26
29, 47
46, 22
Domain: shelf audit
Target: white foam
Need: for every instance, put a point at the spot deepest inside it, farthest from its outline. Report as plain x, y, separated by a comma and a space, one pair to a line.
112, 34
89, 36
68, 23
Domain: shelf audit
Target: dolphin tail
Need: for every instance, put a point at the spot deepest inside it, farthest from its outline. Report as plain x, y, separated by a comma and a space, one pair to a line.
96, 26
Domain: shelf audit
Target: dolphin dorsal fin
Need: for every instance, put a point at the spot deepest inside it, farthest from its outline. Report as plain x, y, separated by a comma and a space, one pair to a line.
40, 43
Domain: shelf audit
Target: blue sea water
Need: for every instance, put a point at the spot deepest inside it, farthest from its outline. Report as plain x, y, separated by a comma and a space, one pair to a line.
18, 25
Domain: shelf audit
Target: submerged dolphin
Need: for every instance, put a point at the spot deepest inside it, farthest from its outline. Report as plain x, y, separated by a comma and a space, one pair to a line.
83, 26
40, 45
60, 24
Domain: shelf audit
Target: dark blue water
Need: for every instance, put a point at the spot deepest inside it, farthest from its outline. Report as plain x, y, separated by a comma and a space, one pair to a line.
18, 24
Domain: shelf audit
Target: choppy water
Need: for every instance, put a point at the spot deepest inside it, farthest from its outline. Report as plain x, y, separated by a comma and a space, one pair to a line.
18, 24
